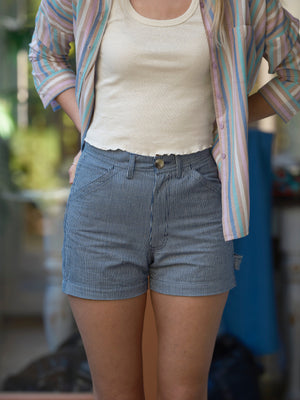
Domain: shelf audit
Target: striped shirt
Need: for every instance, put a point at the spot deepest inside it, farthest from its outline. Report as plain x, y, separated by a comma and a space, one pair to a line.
256, 29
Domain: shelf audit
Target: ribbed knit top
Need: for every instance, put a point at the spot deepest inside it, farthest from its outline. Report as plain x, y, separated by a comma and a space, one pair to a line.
153, 86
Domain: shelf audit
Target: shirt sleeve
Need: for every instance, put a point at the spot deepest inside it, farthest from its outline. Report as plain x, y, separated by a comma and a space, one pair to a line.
49, 50
282, 51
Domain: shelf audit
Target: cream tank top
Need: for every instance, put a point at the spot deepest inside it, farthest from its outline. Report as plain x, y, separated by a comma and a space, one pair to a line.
153, 86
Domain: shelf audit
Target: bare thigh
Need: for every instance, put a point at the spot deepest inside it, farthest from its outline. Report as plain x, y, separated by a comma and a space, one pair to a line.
187, 328
111, 331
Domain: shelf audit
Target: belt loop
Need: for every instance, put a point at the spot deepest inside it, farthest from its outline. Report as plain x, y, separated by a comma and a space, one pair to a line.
131, 165
178, 167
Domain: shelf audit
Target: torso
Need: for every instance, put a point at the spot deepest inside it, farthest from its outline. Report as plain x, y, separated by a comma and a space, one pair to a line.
158, 9
153, 92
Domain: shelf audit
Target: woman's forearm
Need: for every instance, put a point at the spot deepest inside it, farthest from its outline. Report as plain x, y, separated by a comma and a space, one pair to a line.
67, 101
259, 108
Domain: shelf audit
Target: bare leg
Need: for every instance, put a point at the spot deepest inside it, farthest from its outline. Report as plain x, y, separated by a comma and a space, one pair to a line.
187, 328
112, 333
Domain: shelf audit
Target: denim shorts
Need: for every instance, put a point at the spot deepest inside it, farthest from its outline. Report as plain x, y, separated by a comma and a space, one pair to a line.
135, 220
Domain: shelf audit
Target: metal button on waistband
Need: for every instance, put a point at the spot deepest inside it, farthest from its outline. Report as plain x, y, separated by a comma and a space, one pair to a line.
159, 163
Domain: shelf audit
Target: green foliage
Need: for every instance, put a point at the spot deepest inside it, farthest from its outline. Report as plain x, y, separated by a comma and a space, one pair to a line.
18, 39
7, 124
35, 158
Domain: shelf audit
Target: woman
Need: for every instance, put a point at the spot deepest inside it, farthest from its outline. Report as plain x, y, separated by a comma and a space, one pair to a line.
161, 187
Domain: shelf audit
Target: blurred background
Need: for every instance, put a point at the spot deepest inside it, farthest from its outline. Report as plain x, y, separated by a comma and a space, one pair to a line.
36, 149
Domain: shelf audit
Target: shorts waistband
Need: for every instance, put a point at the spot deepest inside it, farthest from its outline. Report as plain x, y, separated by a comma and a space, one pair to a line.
162, 163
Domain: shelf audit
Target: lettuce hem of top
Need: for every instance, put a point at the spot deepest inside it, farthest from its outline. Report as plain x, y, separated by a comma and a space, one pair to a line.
135, 151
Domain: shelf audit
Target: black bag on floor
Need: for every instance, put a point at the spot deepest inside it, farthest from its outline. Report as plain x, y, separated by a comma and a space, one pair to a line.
234, 372
66, 370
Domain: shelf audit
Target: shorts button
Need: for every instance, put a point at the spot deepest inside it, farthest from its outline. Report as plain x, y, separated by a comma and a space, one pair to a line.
159, 163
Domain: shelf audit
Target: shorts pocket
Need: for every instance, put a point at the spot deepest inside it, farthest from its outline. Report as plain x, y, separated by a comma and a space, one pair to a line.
207, 173
92, 174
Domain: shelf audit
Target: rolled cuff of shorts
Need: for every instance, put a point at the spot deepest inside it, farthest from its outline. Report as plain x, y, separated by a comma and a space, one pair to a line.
192, 289
104, 294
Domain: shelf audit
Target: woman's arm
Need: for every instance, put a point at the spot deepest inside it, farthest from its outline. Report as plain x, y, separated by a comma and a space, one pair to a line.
281, 95
68, 103
259, 108
49, 50
282, 51
49, 54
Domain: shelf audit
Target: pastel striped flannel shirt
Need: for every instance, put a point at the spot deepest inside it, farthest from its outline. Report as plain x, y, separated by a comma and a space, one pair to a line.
256, 29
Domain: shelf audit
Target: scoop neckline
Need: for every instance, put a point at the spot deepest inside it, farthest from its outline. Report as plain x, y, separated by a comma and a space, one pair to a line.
161, 22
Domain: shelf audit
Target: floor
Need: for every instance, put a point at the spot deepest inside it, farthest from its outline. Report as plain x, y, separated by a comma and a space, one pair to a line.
23, 341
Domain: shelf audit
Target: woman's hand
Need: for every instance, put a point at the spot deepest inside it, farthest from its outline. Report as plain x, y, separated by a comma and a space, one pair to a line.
72, 169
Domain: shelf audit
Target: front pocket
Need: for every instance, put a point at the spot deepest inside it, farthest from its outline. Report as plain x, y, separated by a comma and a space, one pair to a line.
207, 174
89, 183
92, 173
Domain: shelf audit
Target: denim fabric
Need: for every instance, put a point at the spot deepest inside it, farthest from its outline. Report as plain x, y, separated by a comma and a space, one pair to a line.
132, 217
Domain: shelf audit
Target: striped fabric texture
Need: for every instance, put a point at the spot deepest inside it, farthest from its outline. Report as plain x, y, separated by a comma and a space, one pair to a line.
255, 28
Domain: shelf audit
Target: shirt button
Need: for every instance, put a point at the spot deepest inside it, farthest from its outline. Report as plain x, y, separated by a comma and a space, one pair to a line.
221, 125
215, 65
201, 4
159, 163
223, 155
